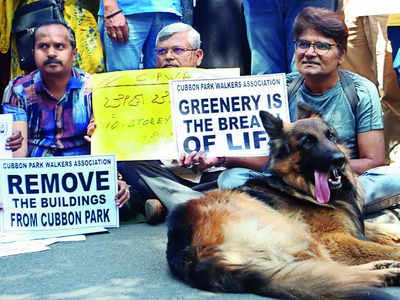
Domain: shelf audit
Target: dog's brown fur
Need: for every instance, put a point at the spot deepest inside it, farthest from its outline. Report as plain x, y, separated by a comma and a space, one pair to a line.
273, 238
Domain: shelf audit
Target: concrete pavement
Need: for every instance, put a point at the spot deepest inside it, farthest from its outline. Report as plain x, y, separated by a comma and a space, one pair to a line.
126, 263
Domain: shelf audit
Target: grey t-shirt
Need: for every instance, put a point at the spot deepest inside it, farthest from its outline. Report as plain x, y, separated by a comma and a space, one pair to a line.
336, 109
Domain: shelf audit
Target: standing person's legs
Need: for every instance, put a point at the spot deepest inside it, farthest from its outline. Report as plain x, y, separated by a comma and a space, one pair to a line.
391, 90
386, 75
126, 56
361, 48
393, 33
265, 32
159, 21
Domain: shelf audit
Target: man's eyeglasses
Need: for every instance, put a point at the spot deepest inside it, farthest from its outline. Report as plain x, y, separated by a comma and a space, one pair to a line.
319, 47
177, 51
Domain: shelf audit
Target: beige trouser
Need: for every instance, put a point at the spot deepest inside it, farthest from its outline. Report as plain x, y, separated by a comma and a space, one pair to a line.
369, 54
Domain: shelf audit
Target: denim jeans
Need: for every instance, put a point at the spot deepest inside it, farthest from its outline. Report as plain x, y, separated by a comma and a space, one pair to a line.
143, 30
269, 29
379, 184
235, 177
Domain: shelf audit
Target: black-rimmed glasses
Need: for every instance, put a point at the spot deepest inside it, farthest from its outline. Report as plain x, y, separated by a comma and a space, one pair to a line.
319, 47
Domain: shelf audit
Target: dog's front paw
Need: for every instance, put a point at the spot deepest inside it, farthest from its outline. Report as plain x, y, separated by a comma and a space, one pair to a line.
391, 276
387, 270
381, 264
385, 264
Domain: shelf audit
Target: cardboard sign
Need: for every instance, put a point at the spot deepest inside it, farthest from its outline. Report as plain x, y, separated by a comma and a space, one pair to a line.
221, 116
6, 121
58, 193
133, 113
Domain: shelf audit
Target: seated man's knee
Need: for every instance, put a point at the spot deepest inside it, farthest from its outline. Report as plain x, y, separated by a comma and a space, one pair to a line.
233, 178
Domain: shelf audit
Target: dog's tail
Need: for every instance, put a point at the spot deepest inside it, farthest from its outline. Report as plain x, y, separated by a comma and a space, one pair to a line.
211, 268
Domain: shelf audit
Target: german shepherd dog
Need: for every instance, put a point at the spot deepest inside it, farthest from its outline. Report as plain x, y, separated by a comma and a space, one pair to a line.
297, 232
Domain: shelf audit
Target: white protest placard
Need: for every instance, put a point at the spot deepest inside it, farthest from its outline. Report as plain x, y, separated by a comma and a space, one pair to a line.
6, 121
221, 116
58, 193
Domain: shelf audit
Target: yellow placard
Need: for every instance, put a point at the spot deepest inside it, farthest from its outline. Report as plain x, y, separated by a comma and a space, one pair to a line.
133, 114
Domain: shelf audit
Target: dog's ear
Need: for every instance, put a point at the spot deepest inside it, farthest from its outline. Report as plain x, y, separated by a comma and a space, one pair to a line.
273, 126
305, 111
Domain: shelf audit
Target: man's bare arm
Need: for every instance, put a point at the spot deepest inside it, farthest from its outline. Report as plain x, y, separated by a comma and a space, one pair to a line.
371, 146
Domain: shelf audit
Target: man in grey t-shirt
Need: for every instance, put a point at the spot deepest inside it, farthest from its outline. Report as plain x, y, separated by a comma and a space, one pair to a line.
321, 45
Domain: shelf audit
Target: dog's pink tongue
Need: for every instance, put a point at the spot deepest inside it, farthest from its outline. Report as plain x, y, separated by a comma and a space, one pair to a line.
322, 191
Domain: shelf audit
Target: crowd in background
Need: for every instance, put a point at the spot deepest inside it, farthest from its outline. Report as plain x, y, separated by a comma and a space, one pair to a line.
252, 35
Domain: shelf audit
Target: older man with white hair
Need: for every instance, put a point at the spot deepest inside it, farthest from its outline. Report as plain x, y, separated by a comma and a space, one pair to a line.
160, 186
